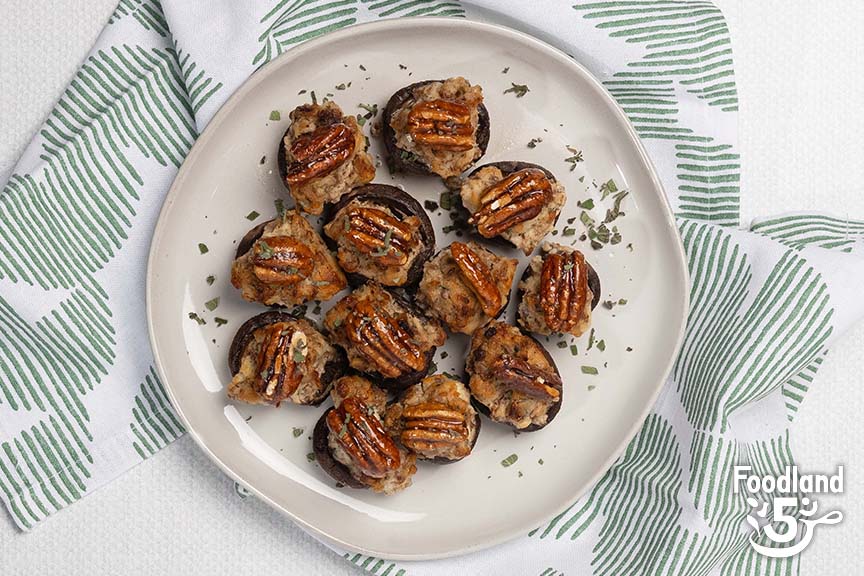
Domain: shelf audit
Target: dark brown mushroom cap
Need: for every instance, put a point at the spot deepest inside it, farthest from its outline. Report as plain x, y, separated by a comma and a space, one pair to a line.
401, 204
412, 164
553, 409
325, 459
332, 370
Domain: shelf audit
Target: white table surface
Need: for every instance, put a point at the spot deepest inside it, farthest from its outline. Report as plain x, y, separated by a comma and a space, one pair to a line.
799, 73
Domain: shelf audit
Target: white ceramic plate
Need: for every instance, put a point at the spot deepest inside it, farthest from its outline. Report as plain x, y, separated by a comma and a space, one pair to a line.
478, 502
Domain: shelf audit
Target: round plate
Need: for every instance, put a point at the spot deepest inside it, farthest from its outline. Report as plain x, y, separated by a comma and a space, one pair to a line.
231, 171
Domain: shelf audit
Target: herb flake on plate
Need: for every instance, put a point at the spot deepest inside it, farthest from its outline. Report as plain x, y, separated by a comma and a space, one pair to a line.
519, 90
509, 460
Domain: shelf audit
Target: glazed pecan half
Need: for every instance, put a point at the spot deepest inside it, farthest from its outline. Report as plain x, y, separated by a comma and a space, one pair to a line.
381, 339
442, 124
478, 277
319, 152
376, 232
360, 433
517, 198
564, 290
517, 374
283, 351
281, 260
430, 424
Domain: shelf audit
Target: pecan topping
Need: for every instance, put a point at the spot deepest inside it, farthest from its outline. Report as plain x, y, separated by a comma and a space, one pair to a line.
431, 424
381, 339
281, 260
442, 124
376, 232
361, 434
564, 290
478, 277
282, 352
319, 152
519, 375
517, 198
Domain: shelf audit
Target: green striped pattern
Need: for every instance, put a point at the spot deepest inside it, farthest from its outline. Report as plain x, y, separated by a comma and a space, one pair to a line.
49, 365
637, 500
733, 355
148, 13
796, 387
153, 425
685, 41
407, 8
708, 183
375, 565
41, 471
198, 84
686, 50
551, 572
293, 21
819, 230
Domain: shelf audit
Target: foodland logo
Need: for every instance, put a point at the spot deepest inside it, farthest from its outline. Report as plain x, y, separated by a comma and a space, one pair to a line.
784, 510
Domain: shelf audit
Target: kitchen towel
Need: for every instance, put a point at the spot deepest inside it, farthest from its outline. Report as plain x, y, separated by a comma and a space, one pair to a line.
80, 401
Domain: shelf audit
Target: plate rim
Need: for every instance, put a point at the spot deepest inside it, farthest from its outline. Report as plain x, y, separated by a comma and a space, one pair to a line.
410, 23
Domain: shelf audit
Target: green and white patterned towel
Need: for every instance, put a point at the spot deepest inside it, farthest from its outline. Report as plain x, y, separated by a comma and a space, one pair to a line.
80, 402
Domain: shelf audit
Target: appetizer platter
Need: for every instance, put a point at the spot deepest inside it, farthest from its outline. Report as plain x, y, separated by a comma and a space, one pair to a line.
419, 305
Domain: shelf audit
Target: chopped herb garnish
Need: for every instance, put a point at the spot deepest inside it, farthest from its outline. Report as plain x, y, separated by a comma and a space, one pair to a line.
607, 188
202, 248
280, 207
446, 200
444, 354
340, 86
210, 280
505, 70
212, 304
363, 68
589, 370
562, 344
574, 159
591, 387
402, 67
430, 205
275, 115
568, 231
220, 321
586, 205
386, 247
533, 142
297, 432
433, 367
622, 301
301, 92
540, 461
518, 89
601, 345
361, 120
586, 219
629, 349
591, 339
615, 211
264, 250
574, 351
314, 98
300, 353
608, 304
299, 311
520, 474
252, 215
371, 110
344, 429
310, 457
196, 318
263, 160
509, 460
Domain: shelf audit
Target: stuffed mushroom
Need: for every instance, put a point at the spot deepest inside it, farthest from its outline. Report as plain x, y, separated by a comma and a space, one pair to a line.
277, 358
384, 336
435, 419
323, 155
284, 262
380, 233
351, 442
558, 292
513, 379
436, 127
516, 201
466, 286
